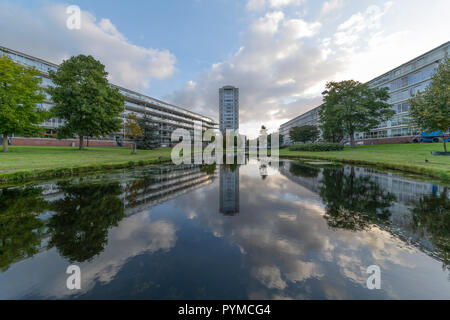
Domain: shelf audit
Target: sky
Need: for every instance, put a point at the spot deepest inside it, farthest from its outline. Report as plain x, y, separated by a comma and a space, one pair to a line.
280, 53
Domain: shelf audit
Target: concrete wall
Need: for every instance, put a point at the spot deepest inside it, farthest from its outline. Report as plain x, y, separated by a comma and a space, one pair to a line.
63, 143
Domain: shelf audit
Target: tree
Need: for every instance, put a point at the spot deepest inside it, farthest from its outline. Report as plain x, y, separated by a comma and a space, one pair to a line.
84, 99
354, 107
430, 109
332, 129
132, 129
150, 138
20, 95
304, 134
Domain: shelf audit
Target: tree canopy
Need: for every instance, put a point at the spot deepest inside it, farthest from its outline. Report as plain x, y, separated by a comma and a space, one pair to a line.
351, 107
20, 95
430, 109
84, 99
304, 134
149, 138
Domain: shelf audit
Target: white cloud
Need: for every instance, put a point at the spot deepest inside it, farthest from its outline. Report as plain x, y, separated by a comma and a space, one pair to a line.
269, 23
284, 62
331, 6
258, 5
43, 34
352, 30
273, 67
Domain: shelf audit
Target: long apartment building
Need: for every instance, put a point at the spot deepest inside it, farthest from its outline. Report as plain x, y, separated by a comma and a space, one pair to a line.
165, 116
403, 82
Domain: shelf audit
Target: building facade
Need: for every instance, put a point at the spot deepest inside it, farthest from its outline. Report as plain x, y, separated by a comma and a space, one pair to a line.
165, 116
310, 118
402, 82
229, 108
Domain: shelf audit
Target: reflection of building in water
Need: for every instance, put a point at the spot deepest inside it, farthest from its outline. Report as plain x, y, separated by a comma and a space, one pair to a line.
229, 190
141, 190
406, 193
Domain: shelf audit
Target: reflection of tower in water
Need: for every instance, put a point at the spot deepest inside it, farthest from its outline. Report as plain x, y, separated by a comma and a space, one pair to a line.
229, 189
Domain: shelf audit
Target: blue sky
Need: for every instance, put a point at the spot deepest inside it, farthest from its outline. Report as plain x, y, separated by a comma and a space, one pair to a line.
279, 52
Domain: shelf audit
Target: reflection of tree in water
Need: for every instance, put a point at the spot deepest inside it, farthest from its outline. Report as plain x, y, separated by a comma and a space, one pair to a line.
80, 226
301, 170
353, 203
431, 216
208, 168
20, 228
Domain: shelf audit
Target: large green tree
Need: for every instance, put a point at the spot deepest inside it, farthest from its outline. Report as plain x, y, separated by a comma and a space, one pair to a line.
20, 95
304, 134
150, 138
354, 107
84, 99
332, 128
430, 109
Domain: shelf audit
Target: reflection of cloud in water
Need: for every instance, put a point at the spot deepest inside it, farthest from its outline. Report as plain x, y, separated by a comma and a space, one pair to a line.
286, 240
135, 235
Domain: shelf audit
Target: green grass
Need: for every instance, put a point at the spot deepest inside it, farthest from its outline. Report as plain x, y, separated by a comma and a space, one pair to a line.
25, 163
404, 157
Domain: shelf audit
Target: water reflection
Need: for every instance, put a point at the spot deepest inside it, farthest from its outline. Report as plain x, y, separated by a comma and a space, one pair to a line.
83, 216
353, 202
357, 198
307, 231
431, 219
229, 190
20, 227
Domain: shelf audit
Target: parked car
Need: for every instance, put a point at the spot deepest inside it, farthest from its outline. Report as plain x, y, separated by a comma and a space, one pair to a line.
435, 136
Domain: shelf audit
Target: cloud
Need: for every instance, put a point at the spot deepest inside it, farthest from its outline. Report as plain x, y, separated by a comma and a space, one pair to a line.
274, 68
330, 6
285, 61
258, 5
352, 29
43, 33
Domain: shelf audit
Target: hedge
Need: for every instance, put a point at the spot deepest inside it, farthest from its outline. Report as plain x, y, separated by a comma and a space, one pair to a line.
316, 147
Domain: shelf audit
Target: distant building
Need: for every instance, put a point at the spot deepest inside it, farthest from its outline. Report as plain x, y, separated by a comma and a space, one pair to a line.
229, 108
310, 118
165, 116
403, 82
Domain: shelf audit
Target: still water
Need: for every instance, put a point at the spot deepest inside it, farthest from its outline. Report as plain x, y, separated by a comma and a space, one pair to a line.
300, 231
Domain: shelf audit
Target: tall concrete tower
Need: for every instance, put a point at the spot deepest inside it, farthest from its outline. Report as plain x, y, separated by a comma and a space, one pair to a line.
229, 108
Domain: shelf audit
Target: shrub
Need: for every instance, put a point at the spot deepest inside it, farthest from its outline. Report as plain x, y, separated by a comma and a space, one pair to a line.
316, 147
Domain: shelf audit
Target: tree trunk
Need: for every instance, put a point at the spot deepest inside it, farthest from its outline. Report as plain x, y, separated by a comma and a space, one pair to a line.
5, 142
352, 139
81, 142
445, 144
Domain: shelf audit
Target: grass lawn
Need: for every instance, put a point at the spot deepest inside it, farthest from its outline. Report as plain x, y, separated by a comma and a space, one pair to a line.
406, 157
26, 160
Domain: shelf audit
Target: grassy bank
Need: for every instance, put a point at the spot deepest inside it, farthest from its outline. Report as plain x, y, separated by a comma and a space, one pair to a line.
28, 163
405, 157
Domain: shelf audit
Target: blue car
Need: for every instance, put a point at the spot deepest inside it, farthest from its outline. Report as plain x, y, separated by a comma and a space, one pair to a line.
435, 136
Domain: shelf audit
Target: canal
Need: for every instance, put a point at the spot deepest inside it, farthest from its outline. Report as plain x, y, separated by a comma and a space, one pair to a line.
303, 230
